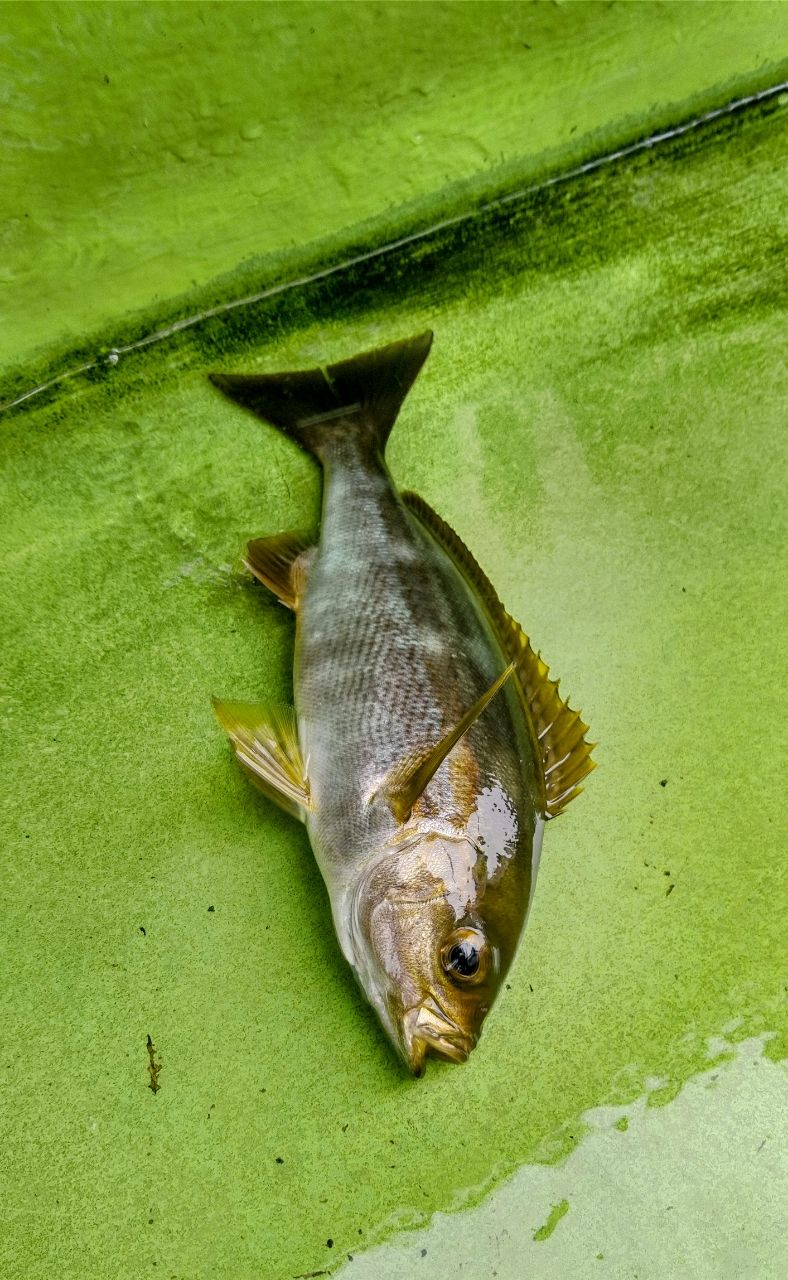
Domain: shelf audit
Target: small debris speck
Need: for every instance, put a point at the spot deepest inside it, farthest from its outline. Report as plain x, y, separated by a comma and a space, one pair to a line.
142, 931
154, 1067
663, 782
329, 1243
424, 1253
279, 1160
211, 908
669, 890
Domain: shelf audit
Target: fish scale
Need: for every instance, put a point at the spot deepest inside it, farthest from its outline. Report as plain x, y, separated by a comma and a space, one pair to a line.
424, 750
356, 731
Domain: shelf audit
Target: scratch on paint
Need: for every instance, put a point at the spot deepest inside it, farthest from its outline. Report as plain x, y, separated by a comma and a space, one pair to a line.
554, 1217
154, 1067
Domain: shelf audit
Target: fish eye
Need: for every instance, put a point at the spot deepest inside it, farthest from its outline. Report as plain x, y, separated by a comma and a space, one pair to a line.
465, 956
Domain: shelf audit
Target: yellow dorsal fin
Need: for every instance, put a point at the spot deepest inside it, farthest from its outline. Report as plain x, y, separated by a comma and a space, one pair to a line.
557, 731
265, 742
278, 563
409, 778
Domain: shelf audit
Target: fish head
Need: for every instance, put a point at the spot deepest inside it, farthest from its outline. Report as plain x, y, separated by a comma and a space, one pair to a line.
433, 939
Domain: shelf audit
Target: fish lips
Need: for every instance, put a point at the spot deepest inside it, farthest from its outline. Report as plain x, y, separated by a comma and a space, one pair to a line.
427, 1028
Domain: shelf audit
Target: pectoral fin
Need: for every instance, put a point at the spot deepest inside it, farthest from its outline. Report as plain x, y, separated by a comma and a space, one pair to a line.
265, 742
557, 732
280, 564
409, 778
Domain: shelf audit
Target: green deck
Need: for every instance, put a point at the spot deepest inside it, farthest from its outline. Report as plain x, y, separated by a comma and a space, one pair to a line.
603, 421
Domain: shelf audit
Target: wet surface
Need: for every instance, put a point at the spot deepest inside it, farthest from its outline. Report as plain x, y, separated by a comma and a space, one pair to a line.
602, 419
632, 1199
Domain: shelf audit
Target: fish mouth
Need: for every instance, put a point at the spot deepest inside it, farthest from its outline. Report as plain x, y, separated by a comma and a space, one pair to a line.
427, 1028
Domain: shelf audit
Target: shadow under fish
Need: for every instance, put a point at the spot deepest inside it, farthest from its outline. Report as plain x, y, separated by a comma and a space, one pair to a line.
427, 745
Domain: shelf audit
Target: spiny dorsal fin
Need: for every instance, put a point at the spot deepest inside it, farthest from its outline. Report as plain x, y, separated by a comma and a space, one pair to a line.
408, 779
275, 562
557, 731
265, 742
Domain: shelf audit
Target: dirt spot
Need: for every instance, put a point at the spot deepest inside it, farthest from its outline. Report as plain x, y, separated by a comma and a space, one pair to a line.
154, 1068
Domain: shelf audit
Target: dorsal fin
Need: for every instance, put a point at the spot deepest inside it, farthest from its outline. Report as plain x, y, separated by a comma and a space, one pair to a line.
277, 563
557, 732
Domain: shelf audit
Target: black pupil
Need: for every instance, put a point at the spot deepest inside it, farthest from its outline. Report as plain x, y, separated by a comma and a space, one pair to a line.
464, 959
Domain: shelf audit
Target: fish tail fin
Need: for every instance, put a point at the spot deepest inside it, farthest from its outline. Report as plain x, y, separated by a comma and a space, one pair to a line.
317, 406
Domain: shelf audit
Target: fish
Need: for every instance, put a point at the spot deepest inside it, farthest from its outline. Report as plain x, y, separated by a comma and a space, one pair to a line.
427, 744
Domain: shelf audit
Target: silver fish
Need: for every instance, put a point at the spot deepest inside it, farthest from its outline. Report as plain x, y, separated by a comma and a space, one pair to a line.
427, 745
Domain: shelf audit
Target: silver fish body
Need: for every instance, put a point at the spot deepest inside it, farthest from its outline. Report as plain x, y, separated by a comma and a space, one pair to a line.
390, 650
397, 636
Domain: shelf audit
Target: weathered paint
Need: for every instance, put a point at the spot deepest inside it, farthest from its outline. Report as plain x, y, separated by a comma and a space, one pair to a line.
604, 424
694, 1191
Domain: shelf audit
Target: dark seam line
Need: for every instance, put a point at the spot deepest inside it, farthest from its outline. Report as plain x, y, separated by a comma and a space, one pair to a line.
590, 166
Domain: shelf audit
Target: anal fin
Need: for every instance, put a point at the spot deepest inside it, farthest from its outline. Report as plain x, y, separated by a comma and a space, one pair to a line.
265, 742
557, 732
279, 563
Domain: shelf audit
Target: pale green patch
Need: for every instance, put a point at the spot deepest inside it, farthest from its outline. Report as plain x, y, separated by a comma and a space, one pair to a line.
695, 1190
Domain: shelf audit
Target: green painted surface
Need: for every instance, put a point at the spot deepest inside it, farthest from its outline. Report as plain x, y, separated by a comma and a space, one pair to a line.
146, 149
555, 1215
602, 420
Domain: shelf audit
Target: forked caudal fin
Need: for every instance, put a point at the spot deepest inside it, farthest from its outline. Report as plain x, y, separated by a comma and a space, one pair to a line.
315, 405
